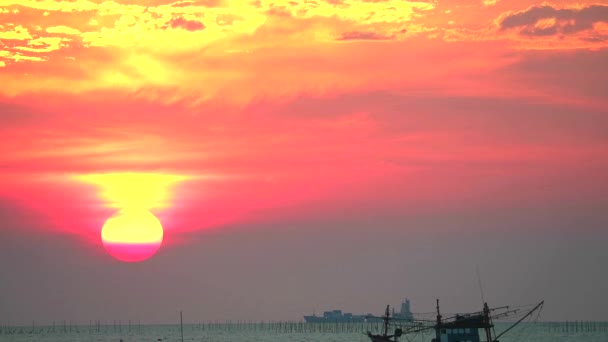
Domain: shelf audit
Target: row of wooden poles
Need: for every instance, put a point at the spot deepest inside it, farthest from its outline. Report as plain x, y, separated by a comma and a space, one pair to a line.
129, 327
290, 327
575, 327
120, 327
67, 327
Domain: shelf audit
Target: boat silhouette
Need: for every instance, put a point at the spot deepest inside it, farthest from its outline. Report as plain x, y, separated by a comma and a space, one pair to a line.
458, 328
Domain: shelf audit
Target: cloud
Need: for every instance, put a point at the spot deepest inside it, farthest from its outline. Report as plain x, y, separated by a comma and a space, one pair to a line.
205, 3
164, 28
362, 35
188, 25
12, 32
545, 27
62, 30
471, 144
547, 20
183, 4
356, 11
43, 44
60, 6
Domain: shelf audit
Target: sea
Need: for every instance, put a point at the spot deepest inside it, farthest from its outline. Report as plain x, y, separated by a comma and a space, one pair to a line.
296, 332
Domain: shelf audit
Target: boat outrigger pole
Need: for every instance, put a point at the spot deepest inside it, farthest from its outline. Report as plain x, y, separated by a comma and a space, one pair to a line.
521, 319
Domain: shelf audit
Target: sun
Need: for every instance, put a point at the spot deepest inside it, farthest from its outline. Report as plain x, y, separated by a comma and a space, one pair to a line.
132, 235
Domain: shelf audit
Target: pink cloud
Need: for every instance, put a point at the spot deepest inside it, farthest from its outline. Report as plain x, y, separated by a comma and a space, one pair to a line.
188, 25
359, 35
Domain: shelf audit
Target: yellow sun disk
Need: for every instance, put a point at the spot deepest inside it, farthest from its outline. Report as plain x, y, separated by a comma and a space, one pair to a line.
132, 226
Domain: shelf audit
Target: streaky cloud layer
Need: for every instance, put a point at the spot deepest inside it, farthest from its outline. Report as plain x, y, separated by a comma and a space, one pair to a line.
210, 113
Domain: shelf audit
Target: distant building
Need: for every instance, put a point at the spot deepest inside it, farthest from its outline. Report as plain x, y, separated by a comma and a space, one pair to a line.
405, 313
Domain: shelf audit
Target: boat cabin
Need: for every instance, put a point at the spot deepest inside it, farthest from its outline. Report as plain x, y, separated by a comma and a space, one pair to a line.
461, 329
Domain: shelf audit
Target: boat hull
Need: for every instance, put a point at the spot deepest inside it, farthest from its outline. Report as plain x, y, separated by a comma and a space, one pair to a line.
381, 338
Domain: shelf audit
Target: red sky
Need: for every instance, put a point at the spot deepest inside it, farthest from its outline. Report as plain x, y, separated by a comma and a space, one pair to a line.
290, 111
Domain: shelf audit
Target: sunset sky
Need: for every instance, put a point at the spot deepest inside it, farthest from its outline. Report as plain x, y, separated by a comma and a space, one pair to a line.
303, 156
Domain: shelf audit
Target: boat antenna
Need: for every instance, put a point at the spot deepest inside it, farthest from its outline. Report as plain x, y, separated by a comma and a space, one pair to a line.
479, 282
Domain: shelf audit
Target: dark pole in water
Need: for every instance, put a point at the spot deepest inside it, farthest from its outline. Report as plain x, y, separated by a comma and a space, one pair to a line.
181, 325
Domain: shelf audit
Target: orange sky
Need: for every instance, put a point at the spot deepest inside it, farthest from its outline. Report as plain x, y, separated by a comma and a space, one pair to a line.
267, 105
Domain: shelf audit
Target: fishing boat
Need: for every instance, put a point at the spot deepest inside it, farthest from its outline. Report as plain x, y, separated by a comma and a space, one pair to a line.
385, 337
457, 328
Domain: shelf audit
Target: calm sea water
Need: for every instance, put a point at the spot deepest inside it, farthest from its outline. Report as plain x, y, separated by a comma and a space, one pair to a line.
536, 332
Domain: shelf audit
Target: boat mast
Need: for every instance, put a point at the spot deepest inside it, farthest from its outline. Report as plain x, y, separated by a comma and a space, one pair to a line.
386, 321
438, 326
487, 323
